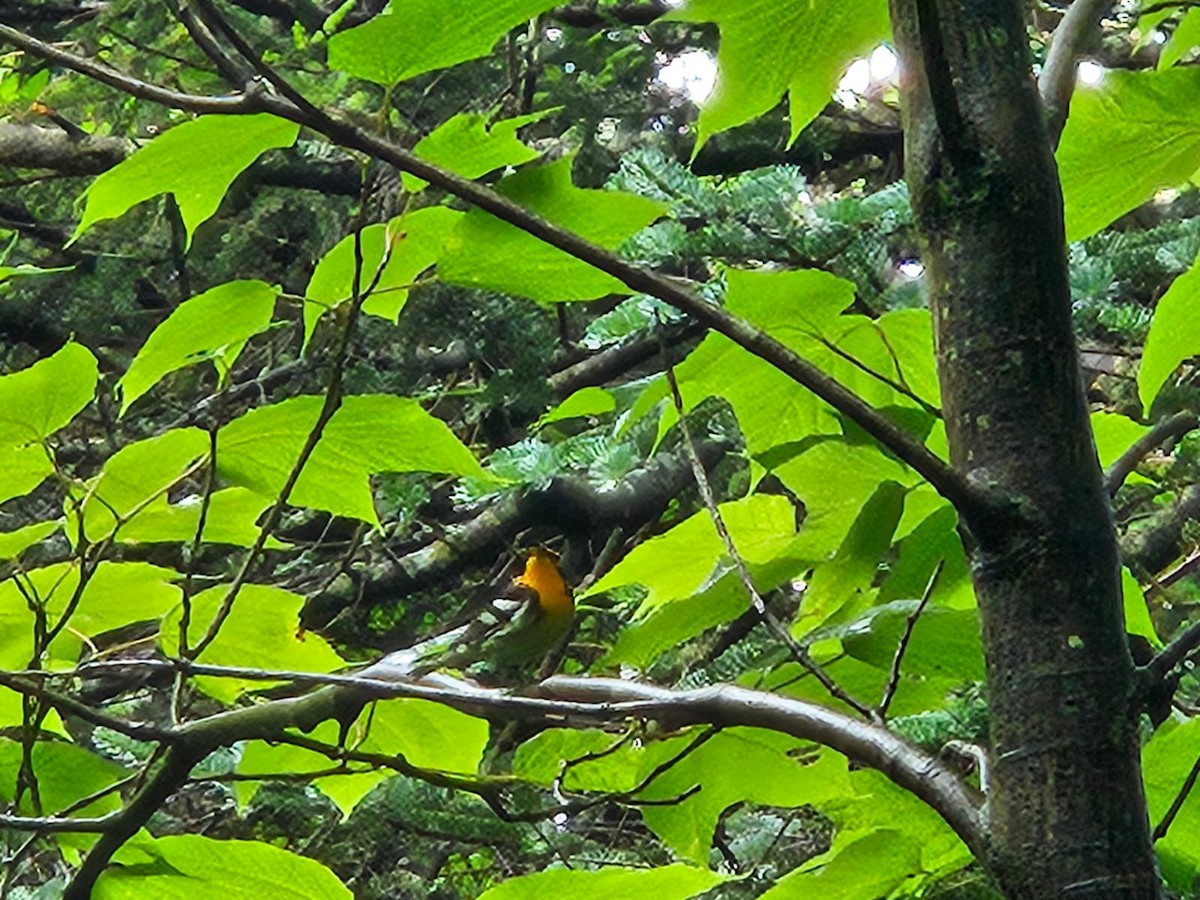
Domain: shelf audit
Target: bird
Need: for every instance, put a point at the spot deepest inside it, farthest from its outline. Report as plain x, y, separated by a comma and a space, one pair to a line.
507, 642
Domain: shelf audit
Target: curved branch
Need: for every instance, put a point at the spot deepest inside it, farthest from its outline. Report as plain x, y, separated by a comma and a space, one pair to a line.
1057, 80
948, 482
565, 701
1170, 428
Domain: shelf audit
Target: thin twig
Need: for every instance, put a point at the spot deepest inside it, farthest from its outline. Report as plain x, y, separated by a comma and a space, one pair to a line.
1161, 829
893, 682
798, 653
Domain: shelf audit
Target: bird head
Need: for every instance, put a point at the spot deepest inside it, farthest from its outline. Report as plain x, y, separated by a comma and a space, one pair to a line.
541, 575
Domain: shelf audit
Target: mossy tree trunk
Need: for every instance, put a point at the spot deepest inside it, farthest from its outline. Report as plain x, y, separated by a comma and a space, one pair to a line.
1067, 816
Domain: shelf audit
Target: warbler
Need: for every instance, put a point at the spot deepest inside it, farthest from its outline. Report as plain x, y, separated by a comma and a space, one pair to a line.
508, 641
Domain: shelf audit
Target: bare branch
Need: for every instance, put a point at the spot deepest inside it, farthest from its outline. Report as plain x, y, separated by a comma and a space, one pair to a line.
1057, 80
798, 653
1161, 829
893, 682
1168, 429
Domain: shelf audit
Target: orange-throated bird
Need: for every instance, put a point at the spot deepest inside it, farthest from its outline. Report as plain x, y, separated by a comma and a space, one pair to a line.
509, 640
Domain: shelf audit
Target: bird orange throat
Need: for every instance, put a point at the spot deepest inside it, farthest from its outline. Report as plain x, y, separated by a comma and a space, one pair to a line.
542, 576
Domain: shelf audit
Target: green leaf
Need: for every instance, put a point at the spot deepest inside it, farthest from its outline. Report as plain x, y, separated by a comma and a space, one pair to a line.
7, 272
1184, 40
368, 434
1174, 335
738, 765
423, 35
133, 477
39, 400
429, 735
841, 587
118, 593
192, 867
1114, 434
944, 643
196, 162
1166, 763
485, 252
872, 866
1137, 613
1133, 134
197, 330
800, 47
834, 479
682, 561
65, 773
232, 519
584, 403
471, 144
600, 760
261, 758
673, 882
22, 469
262, 631
14, 543
414, 243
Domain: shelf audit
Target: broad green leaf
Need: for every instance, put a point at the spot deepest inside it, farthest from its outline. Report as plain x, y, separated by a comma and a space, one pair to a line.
1128, 137
1184, 40
585, 402
598, 760
1166, 763
471, 144
368, 434
261, 758
429, 735
738, 765
198, 329
262, 631
1174, 335
797, 308
834, 479
935, 540
413, 243
944, 643
841, 587
118, 593
485, 252
643, 640
133, 477
874, 803
14, 543
22, 469
65, 773
36, 402
195, 162
769, 48
674, 882
423, 35
1114, 434
679, 563
192, 867
232, 519
1137, 613
872, 866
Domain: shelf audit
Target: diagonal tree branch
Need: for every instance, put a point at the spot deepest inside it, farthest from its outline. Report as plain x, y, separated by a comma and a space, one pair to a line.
1167, 429
1057, 80
944, 478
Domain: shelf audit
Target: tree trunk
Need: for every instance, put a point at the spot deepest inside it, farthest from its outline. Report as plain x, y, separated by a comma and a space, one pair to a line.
1066, 808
